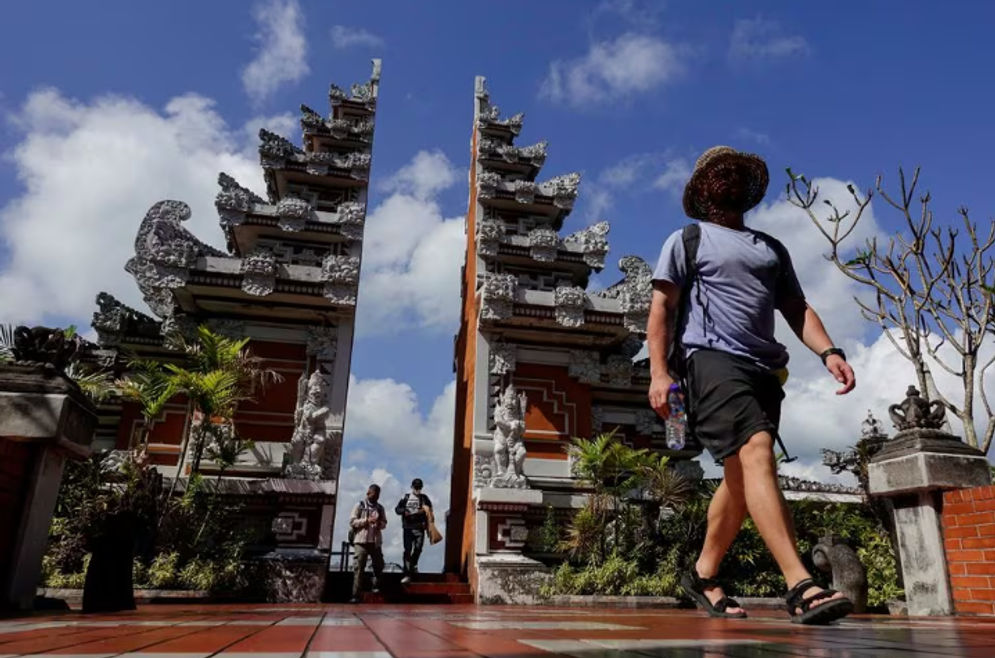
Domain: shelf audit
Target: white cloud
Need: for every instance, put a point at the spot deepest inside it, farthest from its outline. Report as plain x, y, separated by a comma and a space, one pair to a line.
390, 442
674, 176
759, 38
90, 171
748, 135
282, 48
412, 254
613, 70
347, 37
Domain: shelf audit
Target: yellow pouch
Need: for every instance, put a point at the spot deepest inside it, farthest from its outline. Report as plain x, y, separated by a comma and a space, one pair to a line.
782, 375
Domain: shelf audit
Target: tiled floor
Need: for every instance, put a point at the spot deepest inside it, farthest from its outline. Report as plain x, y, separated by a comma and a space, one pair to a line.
261, 631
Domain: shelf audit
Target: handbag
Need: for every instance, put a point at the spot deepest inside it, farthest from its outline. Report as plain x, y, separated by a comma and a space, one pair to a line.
434, 536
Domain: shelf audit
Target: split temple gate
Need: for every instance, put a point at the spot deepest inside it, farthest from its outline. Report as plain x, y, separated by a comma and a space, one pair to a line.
288, 281
539, 359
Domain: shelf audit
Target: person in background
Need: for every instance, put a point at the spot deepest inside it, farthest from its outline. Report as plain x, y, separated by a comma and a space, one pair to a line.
413, 508
366, 527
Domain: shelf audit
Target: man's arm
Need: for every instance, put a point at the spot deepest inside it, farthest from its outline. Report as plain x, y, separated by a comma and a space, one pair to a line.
400, 506
807, 325
426, 501
659, 331
382, 520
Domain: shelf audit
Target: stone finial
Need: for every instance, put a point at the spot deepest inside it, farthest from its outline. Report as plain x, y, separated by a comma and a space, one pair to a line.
45, 345
915, 412
871, 428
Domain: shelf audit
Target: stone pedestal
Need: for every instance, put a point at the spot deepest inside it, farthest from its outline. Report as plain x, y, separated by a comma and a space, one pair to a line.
912, 470
503, 574
44, 418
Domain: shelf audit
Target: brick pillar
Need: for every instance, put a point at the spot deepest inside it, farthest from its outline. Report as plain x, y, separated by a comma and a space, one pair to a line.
969, 541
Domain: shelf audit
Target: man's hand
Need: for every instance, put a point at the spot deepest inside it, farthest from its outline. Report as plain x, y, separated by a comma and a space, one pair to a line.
841, 371
659, 391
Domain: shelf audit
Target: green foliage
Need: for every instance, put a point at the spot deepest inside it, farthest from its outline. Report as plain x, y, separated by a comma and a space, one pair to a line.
617, 576
549, 536
876, 554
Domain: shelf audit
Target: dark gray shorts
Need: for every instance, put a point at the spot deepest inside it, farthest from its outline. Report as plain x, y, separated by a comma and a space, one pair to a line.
730, 399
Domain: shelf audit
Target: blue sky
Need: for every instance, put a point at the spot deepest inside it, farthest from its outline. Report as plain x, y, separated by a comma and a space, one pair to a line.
108, 108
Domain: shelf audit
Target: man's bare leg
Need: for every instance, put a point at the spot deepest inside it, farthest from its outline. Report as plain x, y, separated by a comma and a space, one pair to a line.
769, 511
726, 513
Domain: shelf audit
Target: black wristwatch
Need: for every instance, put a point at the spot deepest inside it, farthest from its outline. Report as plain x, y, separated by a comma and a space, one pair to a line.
828, 353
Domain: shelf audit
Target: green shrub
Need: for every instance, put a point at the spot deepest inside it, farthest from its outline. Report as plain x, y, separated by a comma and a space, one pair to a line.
878, 557
163, 572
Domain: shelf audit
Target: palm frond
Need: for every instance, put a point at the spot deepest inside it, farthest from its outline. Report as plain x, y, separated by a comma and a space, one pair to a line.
98, 385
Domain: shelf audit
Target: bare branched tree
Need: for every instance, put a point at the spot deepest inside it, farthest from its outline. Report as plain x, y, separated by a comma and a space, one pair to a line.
932, 288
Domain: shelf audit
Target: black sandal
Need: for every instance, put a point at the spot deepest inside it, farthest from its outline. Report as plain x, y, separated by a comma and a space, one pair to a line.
695, 587
822, 613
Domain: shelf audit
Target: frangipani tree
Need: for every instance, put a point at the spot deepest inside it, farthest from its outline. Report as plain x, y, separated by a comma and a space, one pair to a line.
932, 288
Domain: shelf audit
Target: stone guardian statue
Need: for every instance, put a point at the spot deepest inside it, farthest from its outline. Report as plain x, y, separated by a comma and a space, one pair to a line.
509, 448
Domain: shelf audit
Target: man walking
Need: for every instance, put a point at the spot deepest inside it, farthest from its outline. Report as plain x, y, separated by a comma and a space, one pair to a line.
413, 508
366, 528
716, 287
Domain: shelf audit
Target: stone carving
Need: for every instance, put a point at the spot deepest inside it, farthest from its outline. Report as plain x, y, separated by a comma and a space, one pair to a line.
340, 269
917, 413
490, 114
294, 213
259, 272
319, 164
543, 244
648, 422
164, 254
525, 191
535, 154
619, 369
497, 296
44, 345
483, 470
489, 234
503, 358
563, 189
569, 302
340, 294
306, 457
311, 120
364, 93
871, 428
113, 321
351, 218
509, 447
634, 293
275, 149
832, 555
488, 183
592, 243
322, 343
585, 366
234, 200
226, 327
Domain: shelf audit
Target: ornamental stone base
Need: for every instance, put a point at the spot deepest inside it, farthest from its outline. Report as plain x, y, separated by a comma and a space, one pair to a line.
912, 470
503, 574
44, 418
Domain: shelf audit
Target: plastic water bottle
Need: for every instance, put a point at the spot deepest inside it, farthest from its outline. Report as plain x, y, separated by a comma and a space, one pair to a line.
677, 422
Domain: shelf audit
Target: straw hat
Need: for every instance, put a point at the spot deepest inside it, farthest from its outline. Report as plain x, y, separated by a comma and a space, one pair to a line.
694, 192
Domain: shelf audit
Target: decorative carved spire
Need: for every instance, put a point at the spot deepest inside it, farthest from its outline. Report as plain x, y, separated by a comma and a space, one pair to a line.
917, 413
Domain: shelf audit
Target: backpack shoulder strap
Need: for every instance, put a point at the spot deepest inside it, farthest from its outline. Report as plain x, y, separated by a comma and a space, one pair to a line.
691, 237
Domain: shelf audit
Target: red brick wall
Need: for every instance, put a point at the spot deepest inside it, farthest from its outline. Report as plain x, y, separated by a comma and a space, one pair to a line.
969, 538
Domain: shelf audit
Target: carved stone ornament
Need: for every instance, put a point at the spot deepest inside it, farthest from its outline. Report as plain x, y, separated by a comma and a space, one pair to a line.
585, 366
509, 446
592, 243
871, 428
488, 183
543, 244
322, 343
483, 470
321, 164
563, 189
259, 272
275, 150
165, 252
503, 358
226, 327
340, 269
497, 296
312, 439
294, 213
648, 422
619, 369
534, 154
833, 556
351, 217
489, 234
45, 345
597, 418
488, 114
916, 413
633, 293
569, 302
311, 121
234, 201
113, 321
525, 191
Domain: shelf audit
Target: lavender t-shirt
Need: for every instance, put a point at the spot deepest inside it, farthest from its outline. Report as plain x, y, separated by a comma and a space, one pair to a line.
740, 284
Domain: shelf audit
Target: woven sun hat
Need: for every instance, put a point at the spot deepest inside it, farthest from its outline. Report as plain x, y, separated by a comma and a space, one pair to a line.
694, 192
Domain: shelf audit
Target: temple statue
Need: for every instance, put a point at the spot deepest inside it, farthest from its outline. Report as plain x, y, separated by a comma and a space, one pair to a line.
306, 456
509, 449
